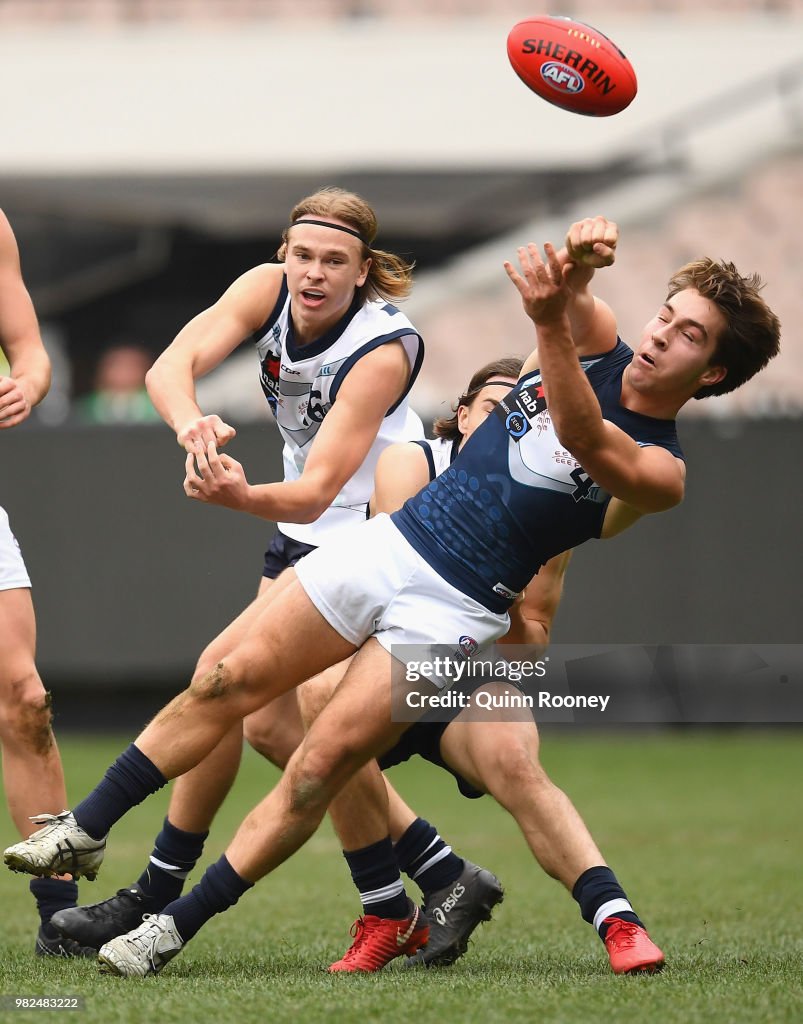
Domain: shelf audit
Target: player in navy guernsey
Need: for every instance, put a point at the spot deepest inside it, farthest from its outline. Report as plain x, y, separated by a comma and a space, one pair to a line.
474, 523
483, 754
374, 589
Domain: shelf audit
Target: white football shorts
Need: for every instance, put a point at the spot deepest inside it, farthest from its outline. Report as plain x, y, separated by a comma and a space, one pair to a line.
371, 582
13, 573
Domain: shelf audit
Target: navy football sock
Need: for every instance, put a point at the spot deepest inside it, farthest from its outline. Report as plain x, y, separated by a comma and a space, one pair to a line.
426, 858
375, 872
219, 888
131, 778
600, 896
53, 894
175, 854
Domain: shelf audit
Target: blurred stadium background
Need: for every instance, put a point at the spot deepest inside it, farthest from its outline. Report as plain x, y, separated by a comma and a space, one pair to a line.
151, 152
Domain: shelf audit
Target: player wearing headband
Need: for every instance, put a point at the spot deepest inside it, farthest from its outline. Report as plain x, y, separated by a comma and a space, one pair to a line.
582, 447
337, 360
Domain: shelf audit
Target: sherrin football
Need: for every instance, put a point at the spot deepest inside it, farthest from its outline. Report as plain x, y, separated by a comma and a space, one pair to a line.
571, 65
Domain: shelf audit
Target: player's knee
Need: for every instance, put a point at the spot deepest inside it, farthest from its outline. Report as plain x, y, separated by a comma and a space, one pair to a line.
26, 714
313, 696
315, 776
308, 786
223, 682
274, 739
206, 663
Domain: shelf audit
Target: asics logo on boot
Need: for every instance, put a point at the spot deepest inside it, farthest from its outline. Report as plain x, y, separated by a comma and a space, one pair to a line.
402, 938
448, 904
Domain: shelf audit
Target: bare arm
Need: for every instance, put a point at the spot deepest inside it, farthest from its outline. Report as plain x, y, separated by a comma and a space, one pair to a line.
401, 472
590, 244
369, 390
647, 479
531, 617
29, 377
201, 346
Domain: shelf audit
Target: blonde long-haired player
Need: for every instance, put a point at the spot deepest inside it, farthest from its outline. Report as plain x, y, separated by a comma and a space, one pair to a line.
337, 359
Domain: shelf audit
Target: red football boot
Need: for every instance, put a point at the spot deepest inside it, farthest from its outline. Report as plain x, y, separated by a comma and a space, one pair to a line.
630, 948
378, 940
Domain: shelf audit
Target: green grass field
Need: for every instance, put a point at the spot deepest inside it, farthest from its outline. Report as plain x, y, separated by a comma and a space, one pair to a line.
704, 831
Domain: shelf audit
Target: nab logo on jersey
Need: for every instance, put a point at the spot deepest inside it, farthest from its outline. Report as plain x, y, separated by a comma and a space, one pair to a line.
533, 399
518, 409
269, 379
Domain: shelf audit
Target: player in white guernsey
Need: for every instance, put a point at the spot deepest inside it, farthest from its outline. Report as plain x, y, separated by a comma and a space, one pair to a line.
32, 771
488, 523
337, 360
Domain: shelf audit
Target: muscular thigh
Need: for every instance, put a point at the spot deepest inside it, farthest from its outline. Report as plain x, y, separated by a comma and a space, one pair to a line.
357, 721
486, 746
225, 642
286, 642
315, 693
17, 636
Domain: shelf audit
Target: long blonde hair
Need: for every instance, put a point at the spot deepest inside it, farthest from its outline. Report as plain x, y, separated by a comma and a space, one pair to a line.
390, 277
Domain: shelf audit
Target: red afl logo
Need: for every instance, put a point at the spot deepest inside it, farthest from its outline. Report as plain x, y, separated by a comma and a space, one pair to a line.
561, 77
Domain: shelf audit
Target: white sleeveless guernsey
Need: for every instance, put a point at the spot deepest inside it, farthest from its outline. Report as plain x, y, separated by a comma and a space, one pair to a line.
301, 383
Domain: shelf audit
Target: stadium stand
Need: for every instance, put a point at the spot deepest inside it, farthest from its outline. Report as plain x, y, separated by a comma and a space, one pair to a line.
752, 221
128, 11
136, 203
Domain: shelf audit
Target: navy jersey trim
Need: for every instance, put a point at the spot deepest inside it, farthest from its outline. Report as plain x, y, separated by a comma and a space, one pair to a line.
423, 443
296, 353
429, 457
594, 357
275, 313
369, 346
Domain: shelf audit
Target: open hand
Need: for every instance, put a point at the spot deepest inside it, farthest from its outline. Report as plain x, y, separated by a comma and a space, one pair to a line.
542, 285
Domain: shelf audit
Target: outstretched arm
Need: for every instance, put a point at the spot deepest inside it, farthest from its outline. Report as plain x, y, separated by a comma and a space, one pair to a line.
201, 346
590, 244
29, 377
647, 479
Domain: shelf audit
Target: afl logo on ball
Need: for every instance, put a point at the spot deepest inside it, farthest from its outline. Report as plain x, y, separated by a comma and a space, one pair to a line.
561, 77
